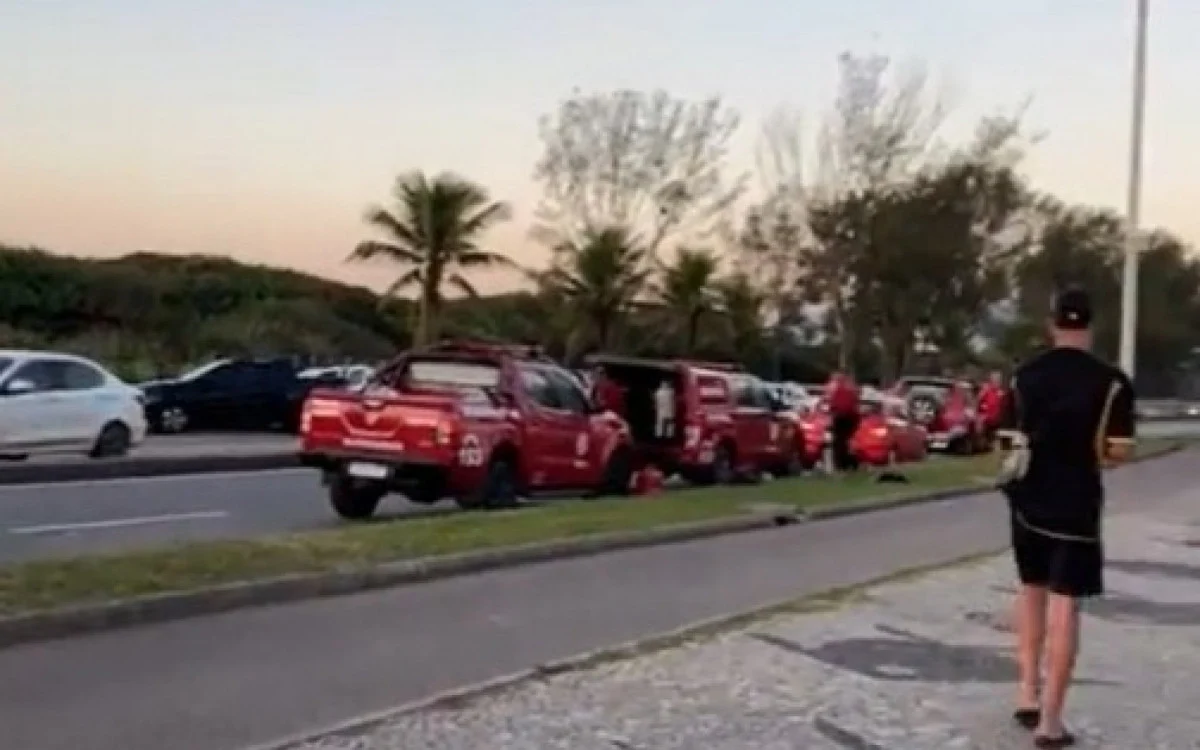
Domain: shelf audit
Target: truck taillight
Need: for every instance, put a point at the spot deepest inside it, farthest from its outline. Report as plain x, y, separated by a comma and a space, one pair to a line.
444, 433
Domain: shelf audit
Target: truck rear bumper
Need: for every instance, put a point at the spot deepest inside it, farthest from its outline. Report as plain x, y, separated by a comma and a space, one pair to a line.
394, 471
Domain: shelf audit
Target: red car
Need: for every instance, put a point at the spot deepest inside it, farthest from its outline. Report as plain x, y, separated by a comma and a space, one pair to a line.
885, 434
947, 409
481, 423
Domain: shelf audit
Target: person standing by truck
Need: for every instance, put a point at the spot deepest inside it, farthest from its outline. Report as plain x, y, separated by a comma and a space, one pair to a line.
991, 403
841, 393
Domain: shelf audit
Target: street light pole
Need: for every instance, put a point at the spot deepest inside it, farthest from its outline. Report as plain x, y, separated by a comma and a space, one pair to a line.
1129, 287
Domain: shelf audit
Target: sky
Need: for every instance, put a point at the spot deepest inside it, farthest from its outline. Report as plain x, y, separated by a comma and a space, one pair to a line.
262, 129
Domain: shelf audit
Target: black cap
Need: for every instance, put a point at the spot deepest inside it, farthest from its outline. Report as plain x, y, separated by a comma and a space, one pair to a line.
1072, 309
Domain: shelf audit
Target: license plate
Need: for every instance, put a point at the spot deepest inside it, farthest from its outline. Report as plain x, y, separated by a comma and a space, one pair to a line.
367, 471
938, 444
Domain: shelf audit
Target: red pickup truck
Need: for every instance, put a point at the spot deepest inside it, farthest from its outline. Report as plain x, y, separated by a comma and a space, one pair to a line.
484, 424
726, 425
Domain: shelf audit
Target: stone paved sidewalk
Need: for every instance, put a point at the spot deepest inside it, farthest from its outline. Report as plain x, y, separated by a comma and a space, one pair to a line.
918, 665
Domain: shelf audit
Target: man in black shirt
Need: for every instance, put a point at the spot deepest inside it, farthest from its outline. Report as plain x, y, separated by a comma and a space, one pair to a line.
1076, 414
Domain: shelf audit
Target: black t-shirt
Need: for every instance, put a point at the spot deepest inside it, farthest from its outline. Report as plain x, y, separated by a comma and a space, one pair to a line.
1071, 405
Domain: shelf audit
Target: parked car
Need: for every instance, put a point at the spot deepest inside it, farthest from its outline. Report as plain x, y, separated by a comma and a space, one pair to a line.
948, 411
228, 394
885, 435
61, 403
481, 423
726, 423
343, 376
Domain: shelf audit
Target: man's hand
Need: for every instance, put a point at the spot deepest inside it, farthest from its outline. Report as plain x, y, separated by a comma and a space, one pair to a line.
1117, 451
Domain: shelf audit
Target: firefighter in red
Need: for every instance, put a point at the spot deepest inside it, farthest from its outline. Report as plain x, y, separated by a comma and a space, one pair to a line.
606, 393
842, 395
991, 404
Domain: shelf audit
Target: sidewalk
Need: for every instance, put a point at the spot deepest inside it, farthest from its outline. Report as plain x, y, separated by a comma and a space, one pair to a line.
917, 665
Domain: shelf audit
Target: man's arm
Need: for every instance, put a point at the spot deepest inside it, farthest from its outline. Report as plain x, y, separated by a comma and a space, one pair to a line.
1119, 430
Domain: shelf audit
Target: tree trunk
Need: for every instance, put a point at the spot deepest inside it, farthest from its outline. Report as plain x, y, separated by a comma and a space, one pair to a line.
421, 332
693, 330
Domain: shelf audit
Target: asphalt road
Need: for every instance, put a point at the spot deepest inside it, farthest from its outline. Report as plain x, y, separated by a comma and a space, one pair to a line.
228, 681
72, 518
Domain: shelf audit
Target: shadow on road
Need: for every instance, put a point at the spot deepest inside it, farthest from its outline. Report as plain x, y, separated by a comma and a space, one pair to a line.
909, 657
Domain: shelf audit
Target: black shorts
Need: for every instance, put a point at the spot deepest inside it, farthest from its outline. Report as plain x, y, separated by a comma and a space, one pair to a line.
1066, 567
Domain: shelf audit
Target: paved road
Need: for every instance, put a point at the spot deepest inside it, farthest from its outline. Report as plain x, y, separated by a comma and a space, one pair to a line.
197, 444
227, 681
58, 519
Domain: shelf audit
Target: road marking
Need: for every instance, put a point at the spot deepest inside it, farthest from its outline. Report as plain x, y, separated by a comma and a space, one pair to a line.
117, 523
160, 479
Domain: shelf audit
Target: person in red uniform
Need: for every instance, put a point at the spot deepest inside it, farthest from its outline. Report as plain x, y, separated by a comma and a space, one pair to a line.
606, 393
991, 404
842, 395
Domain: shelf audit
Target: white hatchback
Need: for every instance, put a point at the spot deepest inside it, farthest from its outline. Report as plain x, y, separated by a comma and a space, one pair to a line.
61, 403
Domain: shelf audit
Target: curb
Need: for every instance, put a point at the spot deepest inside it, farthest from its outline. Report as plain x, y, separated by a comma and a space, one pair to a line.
157, 608
841, 510
143, 610
463, 696
125, 468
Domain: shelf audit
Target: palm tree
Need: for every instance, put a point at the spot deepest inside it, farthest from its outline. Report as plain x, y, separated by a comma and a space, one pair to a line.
598, 279
686, 292
434, 229
742, 303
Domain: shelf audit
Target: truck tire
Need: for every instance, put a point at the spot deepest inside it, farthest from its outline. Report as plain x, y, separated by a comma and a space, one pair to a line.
721, 470
352, 500
618, 473
497, 490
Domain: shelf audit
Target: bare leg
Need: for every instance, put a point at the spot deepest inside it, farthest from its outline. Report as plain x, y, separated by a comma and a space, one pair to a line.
1062, 644
1029, 618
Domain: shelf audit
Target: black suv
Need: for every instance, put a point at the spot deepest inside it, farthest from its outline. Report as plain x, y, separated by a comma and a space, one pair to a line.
245, 394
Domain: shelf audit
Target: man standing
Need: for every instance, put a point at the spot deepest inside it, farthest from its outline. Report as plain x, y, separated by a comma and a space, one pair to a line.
842, 396
1076, 415
991, 402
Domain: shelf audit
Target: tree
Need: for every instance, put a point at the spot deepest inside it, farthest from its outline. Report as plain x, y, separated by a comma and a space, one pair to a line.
686, 292
646, 161
741, 303
434, 230
597, 280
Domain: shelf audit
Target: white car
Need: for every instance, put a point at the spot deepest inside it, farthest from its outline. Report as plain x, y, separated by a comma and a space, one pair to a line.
61, 403
353, 376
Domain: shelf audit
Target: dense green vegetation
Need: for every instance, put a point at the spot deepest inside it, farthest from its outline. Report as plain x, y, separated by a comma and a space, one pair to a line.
885, 248
146, 314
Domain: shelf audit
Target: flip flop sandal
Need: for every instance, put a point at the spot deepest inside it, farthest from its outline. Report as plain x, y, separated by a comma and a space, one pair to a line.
1027, 718
1066, 739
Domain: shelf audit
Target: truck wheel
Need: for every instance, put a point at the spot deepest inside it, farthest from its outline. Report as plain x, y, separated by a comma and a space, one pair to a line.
723, 470
794, 463
498, 489
354, 501
617, 473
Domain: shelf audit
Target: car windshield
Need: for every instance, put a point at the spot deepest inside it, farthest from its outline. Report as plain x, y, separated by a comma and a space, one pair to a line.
458, 375
870, 406
203, 370
925, 384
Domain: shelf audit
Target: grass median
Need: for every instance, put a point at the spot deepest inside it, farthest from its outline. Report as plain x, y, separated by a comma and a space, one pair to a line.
42, 585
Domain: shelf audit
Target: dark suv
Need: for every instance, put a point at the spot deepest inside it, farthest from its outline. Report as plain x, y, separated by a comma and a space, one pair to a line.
228, 394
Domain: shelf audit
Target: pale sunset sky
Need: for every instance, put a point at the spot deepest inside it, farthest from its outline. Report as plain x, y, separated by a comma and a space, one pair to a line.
261, 129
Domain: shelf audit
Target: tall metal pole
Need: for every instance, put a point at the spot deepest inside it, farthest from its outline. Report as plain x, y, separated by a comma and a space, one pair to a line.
1129, 288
